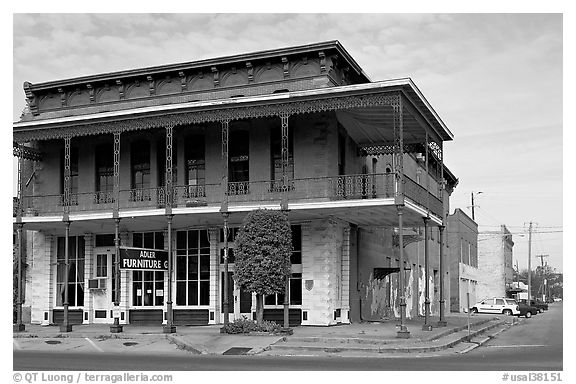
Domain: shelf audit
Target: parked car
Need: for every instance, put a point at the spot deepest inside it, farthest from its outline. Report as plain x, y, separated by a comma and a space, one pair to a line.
542, 306
497, 305
527, 310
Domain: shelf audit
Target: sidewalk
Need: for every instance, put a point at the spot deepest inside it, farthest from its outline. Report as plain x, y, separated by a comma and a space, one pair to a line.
368, 337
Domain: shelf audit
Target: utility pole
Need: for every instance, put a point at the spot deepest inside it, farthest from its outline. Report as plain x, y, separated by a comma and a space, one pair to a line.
517, 276
543, 272
529, 261
472, 198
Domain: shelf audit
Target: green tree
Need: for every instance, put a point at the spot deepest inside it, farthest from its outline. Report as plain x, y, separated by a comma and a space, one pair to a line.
262, 255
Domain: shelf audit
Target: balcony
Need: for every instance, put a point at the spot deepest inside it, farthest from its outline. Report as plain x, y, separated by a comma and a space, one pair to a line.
317, 189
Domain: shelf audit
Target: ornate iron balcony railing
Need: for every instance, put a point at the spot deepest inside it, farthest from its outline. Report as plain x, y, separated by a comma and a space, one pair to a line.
321, 189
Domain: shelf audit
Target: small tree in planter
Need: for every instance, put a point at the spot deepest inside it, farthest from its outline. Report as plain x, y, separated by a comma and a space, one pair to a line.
262, 255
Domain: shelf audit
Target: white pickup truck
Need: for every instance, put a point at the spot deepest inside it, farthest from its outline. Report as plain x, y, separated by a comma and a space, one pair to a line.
497, 305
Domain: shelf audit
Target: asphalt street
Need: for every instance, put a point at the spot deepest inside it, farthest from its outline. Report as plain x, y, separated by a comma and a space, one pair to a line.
533, 345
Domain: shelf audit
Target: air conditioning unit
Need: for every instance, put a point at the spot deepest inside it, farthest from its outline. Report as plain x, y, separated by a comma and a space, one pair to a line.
98, 283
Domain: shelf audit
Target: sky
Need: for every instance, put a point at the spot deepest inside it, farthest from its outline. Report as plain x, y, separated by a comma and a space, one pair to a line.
496, 80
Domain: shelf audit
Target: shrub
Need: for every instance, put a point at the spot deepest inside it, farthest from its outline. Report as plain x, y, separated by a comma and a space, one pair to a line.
245, 325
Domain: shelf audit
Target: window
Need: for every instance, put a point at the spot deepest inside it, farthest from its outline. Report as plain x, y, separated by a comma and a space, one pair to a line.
150, 240
140, 170
499, 301
75, 271
294, 292
295, 281
104, 240
73, 175
238, 162
192, 267
296, 257
195, 154
148, 286
105, 173
102, 265
341, 153
276, 156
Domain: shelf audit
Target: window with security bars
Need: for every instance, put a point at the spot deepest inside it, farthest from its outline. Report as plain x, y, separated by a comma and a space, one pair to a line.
75, 271
148, 286
192, 268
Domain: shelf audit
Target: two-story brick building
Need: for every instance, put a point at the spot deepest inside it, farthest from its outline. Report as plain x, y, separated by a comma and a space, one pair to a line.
164, 157
463, 260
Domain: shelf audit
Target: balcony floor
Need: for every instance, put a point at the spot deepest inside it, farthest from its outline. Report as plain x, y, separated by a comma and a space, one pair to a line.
366, 212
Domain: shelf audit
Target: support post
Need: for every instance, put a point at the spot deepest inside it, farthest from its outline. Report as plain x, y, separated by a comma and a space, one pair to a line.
426, 326
169, 327
284, 206
116, 327
225, 214
403, 332
66, 326
285, 155
19, 326
442, 322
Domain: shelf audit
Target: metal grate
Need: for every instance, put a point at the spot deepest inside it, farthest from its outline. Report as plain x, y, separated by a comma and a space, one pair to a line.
237, 351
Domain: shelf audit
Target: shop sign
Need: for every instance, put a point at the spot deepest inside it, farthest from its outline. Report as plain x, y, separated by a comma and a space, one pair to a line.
143, 258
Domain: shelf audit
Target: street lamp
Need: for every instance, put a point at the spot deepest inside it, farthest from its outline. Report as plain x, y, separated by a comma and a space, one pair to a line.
472, 195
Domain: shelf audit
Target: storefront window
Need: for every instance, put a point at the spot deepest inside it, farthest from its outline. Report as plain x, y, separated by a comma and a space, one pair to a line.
192, 267
148, 286
75, 271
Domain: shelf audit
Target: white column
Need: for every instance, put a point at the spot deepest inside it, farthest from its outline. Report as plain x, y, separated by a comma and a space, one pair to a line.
214, 306
88, 315
125, 280
345, 288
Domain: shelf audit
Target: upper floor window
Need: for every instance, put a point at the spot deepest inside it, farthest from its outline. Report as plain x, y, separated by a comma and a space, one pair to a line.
140, 170
238, 161
140, 164
276, 153
195, 156
341, 153
105, 172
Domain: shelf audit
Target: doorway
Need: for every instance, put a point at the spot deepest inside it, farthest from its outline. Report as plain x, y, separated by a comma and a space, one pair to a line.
102, 285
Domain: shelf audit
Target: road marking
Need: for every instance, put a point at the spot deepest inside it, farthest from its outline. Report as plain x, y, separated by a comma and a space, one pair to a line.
517, 346
16, 345
94, 345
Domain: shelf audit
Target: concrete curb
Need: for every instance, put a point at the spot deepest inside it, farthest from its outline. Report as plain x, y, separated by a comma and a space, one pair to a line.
399, 349
182, 344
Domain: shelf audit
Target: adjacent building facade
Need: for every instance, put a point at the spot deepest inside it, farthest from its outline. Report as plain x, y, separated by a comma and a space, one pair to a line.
165, 158
463, 259
495, 269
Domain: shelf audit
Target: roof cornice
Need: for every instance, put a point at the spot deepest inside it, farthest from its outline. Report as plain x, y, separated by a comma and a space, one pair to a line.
192, 65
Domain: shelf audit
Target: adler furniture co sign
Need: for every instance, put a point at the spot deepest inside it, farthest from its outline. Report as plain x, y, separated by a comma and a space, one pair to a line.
141, 258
